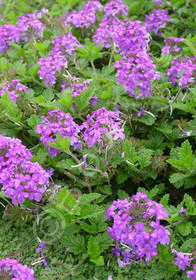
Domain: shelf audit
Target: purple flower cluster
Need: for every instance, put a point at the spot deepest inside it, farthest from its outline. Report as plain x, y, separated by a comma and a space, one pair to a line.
85, 17
156, 21
8, 33
102, 125
29, 27
12, 270
76, 89
181, 260
14, 88
172, 45
58, 121
182, 71
107, 32
20, 178
132, 36
50, 66
42, 245
136, 227
191, 273
115, 8
65, 44
135, 71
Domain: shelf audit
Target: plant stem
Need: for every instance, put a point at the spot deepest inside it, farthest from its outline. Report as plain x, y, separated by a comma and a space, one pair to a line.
93, 65
112, 54
75, 267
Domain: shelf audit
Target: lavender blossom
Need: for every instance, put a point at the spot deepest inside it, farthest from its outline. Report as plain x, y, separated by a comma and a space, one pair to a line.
102, 125
135, 71
191, 273
58, 121
107, 32
50, 66
157, 20
11, 269
20, 178
181, 260
8, 33
14, 89
41, 247
171, 45
85, 17
136, 227
29, 27
182, 71
116, 8
66, 45
76, 89
131, 36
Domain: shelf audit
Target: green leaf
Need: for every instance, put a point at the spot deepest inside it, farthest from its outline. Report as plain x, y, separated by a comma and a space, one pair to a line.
75, 243
87, 198
177, 177
130, 152
62, 144
65, 164
188, 245
145, 156
93, 248
82, 100
104, 240
98, 261
185, 228
164, 200
65, 198
189, 202
88, 211
106, 189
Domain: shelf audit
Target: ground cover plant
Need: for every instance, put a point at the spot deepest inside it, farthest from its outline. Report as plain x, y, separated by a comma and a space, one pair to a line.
97, 139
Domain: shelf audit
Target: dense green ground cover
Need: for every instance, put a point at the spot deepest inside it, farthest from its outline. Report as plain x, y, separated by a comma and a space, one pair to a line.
114, 102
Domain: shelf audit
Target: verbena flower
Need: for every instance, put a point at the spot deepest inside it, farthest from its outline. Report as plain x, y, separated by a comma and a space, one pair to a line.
157, 20
191, 273
136, 227
181, 260
66, 44
41, 247
182, 71
58, 121
12, 270
116, 8
14, 88
50, 66
20, 178
131, 36
107, 32
8, 33
85, 17
136, 71
29, 27
101, 125
171, 44
76, 89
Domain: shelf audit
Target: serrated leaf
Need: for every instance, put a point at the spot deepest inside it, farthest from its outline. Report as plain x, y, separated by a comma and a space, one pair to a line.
106, 189
130, 152
189, 202
98, 261
87, 198
164, 200
75, 243
188, 245
65, 164
177, 177
104, 240
93, 248
145, 156
185, 228
62, 144
88, 211
65, 198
